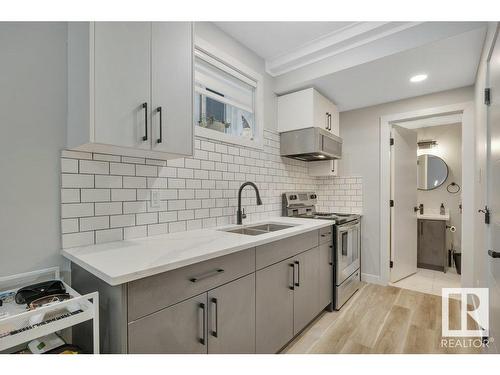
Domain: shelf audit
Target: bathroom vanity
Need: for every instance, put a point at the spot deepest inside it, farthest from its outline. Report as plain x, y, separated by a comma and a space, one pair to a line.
431, 243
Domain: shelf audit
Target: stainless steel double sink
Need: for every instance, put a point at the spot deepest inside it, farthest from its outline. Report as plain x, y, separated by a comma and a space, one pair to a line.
255, 230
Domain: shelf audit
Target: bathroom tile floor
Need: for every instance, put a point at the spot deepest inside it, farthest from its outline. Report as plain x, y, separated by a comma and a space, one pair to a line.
429, 281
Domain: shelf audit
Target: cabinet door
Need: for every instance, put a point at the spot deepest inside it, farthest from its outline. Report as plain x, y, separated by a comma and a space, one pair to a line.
335, 119
231, 317
325, 274
322, 107
307, 285
431, 244
274, 307
178, 329
172, 87
122, 83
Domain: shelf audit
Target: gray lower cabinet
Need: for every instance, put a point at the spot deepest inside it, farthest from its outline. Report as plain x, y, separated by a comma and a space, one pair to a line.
325, 274
231, 317
255, 300
431, 244
274, 306
219, 321
180, 328
307, 288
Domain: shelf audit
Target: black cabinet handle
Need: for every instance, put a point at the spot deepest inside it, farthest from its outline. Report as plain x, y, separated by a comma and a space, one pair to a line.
327, 120
331, 256
293, 276
494, 254
195, 279
330, 121
145, 107
203, 338
298, 273
159, 140
216, 330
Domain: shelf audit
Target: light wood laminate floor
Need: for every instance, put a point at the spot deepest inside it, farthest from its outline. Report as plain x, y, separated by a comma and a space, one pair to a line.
381, 319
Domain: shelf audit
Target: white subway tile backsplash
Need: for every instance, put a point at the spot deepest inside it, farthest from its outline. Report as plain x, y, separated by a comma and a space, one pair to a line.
93, 223
156, 229
122, 169
102, 181
194, 193
95, 195
135, 232
94, 167
146, 170
76, 210
77, 181
122, 221
134, 182
108, 208
146, 218
69, 165
69, 226
167, 216
109, 235
77, 239
70, 195
134, 207
123, 195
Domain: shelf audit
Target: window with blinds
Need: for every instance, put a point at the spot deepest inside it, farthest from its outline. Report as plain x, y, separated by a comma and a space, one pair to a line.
224, 98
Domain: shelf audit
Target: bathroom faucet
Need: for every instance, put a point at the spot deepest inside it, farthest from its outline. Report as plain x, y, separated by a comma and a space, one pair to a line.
240, 215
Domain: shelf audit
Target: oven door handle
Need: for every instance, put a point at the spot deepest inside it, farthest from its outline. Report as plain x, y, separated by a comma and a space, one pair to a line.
348, 226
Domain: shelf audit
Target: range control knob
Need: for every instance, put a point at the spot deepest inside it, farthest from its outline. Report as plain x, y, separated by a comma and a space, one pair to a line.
313, 196
293, 197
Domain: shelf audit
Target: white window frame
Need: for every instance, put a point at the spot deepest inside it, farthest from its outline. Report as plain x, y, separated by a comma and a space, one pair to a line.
207, 52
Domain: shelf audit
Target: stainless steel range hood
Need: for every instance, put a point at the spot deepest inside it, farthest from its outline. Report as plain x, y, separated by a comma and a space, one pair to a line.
310, 144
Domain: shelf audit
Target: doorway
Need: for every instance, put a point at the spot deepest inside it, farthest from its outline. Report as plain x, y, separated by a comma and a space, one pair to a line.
426, 179
427, 118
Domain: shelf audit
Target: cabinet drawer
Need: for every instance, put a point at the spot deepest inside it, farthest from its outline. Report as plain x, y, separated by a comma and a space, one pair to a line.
325, 235
274, 252
151, 294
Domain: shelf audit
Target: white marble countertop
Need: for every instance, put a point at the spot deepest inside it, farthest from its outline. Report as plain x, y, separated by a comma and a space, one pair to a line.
123, 261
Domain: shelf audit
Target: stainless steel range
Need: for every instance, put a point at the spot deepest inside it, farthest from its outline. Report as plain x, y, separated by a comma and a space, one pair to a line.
346, 242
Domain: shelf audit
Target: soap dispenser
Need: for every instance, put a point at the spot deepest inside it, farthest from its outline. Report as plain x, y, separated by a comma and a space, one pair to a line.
441, 209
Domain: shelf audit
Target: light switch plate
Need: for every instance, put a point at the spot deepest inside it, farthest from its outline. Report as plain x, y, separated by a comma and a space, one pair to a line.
155, 198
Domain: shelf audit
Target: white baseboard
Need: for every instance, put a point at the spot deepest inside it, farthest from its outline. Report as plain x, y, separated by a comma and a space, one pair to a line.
372, 279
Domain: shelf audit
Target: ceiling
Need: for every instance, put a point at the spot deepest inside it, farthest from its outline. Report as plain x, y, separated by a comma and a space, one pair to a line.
359, 64
270, 40
449, 63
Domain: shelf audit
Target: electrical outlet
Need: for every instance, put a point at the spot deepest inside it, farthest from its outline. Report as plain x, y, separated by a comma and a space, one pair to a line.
155, 198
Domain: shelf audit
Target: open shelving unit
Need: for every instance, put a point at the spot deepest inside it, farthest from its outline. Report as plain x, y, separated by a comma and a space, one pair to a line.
19, 325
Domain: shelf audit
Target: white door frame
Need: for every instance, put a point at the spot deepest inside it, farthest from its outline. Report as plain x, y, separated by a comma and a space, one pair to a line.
468, 165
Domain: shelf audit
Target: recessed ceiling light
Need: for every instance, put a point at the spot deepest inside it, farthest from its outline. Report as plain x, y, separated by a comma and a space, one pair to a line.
418, 78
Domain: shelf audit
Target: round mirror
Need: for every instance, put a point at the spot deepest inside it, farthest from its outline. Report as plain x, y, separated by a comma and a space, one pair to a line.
432, 172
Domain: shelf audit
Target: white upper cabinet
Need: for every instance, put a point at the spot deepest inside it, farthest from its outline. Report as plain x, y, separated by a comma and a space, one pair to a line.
130, 88
122, 88
307, 108
172, 85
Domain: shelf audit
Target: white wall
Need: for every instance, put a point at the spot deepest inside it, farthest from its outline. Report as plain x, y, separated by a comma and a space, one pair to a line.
360, 130
480, 256
449, 148
32, 134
